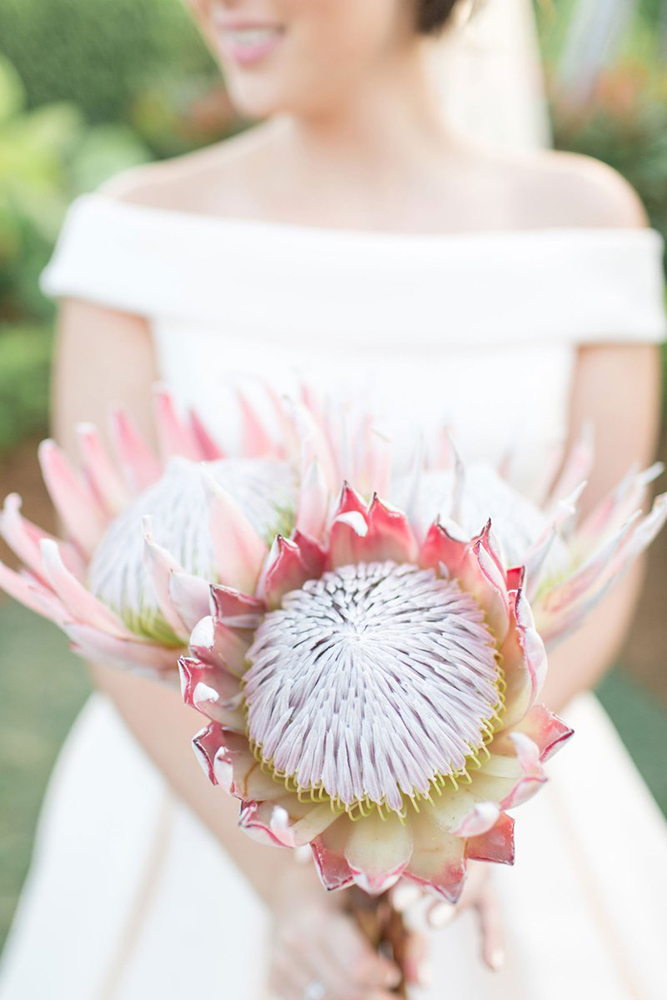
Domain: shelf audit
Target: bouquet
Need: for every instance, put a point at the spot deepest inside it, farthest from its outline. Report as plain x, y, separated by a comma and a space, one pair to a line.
368, 648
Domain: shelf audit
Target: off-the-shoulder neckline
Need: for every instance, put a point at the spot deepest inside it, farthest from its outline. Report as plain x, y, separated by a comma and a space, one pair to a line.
239, 223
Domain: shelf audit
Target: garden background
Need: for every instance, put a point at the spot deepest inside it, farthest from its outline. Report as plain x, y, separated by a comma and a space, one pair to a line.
90, 87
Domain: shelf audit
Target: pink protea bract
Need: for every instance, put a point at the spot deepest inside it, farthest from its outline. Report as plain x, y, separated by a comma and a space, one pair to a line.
146, 533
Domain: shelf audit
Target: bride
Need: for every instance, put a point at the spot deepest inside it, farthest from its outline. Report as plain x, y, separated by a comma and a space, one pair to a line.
355, 233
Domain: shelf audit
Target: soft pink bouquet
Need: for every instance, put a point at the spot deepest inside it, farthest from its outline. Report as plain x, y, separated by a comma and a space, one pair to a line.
368, 648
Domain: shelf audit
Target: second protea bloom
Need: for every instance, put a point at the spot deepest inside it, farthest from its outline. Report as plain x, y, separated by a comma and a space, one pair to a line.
145, 533
374, 697
141, 547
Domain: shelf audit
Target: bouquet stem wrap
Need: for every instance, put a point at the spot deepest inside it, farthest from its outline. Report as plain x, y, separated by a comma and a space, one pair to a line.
383, 927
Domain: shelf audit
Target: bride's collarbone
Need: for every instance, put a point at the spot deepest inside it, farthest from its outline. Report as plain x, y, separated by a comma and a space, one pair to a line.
514, 190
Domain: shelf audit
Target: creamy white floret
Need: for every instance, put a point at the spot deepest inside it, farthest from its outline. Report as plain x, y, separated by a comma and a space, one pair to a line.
517, 522
264, 489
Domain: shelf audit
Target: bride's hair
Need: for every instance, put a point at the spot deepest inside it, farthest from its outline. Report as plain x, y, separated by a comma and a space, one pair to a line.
432, 15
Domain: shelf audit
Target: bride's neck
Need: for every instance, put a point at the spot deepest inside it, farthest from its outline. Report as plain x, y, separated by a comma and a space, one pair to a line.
394, 116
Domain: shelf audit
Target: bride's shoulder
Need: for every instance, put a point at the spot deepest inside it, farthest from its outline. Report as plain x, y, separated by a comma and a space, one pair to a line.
217, 178
542, 188
571, 189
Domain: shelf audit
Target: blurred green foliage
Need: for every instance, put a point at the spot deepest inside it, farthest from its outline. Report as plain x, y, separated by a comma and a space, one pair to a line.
47, 156
99, 54
623, 121
25, 361
140, 63
88, 88
626, 126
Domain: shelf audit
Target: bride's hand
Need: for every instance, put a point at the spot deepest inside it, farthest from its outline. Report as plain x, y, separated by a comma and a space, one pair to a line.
478, 894
319, 952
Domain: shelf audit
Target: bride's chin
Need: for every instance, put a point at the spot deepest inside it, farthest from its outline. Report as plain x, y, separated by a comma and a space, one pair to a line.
256, 102
259, 96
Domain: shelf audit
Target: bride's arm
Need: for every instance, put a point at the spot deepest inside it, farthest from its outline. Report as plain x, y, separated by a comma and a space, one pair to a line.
106, 357
103, 358
617, 387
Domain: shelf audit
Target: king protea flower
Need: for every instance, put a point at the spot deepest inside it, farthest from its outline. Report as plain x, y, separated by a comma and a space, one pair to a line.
145, 533
373, 692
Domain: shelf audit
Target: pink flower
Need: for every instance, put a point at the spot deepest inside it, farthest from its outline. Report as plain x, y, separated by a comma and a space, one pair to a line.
110, 585
374, 696
373, 691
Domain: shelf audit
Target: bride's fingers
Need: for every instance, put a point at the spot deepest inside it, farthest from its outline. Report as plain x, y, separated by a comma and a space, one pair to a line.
478, 894
490, 925
335, 978
405, 895
286, 980
418, 909
440, 913
416, 967
321, 945
348, 950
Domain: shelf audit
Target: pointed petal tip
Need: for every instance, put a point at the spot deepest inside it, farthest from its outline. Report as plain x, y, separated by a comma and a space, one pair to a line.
274, 832
46, 445
331, 865
239, 549
549, 732
448, 885
284, 570
13, 502
482, 818
206, 744
350, 500
496, 844
375, 885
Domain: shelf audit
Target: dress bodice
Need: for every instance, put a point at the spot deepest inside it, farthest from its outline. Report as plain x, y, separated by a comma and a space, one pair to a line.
477, 330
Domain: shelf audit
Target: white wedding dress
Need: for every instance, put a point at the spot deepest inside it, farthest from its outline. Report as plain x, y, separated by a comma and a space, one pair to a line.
129, 898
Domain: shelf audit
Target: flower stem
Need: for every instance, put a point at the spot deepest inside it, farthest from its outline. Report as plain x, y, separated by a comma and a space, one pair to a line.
383, 927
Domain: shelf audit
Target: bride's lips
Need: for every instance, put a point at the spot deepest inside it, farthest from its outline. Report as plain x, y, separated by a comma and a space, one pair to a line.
247, 42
